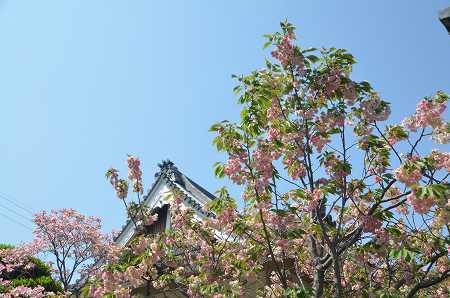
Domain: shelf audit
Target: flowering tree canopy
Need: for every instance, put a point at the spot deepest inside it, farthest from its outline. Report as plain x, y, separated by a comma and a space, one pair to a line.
22, 275
75, 241
337, 201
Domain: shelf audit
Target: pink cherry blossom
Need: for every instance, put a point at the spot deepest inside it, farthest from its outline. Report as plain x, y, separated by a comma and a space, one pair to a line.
370, 223
408, 176
421, 205
286, 55
135, 173
274, 111
319, 142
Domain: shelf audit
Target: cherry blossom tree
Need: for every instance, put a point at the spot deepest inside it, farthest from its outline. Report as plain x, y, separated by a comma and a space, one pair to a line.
73, 240
337, 201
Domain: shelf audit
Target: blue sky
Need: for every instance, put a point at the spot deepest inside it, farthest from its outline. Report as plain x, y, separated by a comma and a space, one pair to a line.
84, 83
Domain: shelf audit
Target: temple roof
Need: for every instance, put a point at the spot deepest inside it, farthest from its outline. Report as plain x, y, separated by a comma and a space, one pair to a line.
168, 175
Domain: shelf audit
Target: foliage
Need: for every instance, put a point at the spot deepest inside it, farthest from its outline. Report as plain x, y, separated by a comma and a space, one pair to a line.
19, 270
45, 281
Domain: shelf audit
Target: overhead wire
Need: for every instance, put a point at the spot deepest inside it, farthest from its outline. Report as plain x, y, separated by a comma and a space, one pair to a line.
15, 203
15, 221
15, 212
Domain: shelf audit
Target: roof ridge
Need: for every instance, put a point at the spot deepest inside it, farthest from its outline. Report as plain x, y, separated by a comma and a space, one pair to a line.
169, 171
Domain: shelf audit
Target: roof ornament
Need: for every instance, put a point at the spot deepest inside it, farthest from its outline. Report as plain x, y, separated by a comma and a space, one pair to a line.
168, 170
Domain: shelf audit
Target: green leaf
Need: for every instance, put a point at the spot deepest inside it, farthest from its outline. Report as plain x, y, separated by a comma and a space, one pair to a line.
402, 253
219, 170
334, 130
394, 254
304, 292
393, 230
296, 233
215, 127
312, 58
267, 44
316, 228
309, 50
237, 90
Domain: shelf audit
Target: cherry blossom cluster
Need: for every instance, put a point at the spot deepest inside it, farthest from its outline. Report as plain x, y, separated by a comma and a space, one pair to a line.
429, 114
335, 167
371, 224
22, 291
135, 173
420, 205
120, 185
374, 109
408, 174
286, 55
441, 160
233, 169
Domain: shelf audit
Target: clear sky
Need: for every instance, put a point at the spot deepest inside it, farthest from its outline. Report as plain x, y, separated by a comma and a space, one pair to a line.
83, 83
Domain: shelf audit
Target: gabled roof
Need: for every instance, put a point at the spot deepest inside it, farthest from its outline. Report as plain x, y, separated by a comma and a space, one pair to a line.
169, 177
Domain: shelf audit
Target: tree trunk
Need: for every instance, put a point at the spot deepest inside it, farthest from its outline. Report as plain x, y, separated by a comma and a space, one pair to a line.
319, 277
337, 277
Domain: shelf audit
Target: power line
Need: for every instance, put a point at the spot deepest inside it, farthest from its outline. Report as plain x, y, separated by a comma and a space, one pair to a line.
15, 212
3, 196
15, 221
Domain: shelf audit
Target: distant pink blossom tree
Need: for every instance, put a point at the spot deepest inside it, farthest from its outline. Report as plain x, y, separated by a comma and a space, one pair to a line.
75, 241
